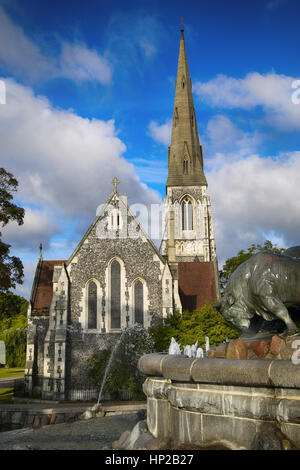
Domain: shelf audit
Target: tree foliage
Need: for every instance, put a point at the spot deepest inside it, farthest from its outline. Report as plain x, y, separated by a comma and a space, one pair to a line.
191, 327
13, 333
11, 267
232, 263
123, 373
12, 305
13, 324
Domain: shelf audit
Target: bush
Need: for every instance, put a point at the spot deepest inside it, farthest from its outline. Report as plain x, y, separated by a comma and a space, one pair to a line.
191, 327
135, 341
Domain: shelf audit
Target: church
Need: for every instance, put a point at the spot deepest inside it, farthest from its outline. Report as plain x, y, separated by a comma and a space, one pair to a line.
116, 276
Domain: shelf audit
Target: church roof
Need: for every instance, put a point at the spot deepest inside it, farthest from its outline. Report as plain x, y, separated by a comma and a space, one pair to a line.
42, 291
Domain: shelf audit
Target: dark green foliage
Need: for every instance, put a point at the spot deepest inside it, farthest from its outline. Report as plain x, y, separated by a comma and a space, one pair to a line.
13, 323
192, 327
13, 333
12, 305
123, 374
11, 267
232, 263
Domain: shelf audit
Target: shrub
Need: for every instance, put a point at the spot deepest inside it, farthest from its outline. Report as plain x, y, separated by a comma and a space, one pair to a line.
191, 327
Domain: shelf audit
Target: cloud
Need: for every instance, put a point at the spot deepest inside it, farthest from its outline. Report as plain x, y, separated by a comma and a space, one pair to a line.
161, 133
222, 135
79, 63
19, 54
253, 199
29, 271
23, 57
62, 161
133, 37
39, 226
272, 92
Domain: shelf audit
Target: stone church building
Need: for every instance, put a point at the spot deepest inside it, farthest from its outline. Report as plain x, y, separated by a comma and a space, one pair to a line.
116, 276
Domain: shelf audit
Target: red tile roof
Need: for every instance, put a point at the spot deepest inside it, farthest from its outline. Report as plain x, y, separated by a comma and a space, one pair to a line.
197, 284
44, 288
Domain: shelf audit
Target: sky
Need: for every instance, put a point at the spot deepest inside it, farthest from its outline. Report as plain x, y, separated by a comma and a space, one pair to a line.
87, 93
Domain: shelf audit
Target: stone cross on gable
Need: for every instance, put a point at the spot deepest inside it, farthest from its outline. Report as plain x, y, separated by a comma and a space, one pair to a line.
115, 182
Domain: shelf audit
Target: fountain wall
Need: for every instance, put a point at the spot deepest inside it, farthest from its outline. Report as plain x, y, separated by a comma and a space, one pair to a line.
228, 401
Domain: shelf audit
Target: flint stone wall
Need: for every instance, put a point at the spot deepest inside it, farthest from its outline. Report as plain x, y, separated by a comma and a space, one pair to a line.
229, 401
92, 261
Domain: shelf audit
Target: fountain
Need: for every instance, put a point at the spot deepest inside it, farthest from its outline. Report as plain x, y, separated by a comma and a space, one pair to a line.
188, 350
132, 329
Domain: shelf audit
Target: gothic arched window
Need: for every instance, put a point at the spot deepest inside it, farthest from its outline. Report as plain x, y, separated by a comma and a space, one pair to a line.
92, 305
185, 165
115, 294
139, 302
187, 214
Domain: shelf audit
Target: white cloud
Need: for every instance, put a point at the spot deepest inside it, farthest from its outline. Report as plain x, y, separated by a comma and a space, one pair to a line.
23, 57
272, 92
222, 135
161, 133
61, 160
39, 226
79, 63
253, 199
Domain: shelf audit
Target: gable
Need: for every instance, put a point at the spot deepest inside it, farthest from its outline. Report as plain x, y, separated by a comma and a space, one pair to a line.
115, 221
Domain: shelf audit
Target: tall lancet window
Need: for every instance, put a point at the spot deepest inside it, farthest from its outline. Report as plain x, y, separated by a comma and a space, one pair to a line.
187, 214
139, 303
115, 294
185, 165
92, 305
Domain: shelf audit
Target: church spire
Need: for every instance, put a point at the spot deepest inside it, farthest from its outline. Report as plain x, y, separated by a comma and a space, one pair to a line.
185, 161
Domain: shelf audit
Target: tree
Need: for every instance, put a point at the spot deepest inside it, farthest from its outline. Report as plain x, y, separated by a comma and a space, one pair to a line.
12, 305
232, 263
11, 267
13, 323
191, 327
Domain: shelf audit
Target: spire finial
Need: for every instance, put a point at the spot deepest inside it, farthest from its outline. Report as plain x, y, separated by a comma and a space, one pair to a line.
115, 182
181, 19
41, 248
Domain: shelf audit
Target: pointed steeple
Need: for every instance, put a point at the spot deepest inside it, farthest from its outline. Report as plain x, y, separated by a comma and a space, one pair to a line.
185, 161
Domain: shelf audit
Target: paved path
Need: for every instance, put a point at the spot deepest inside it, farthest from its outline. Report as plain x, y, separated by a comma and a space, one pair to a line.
91, 434
7, 382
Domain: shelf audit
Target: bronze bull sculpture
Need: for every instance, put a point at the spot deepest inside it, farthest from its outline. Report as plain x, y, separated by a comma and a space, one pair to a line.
267, 285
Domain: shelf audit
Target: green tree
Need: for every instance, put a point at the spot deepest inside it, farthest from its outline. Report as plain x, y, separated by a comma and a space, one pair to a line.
191, 327
11, 267
13, 333
12, 305
13, 324
232, 263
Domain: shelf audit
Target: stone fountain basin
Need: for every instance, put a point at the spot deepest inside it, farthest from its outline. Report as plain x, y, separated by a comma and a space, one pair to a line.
234, 402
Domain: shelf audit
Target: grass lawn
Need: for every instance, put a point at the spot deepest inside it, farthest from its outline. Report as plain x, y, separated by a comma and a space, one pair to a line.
6, 395
7, 373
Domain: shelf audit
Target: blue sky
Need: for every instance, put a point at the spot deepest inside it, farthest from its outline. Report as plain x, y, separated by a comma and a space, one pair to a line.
89, 95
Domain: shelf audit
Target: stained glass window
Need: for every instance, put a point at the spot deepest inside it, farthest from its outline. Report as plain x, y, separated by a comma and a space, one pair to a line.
92, 305
115, 294
139, 302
